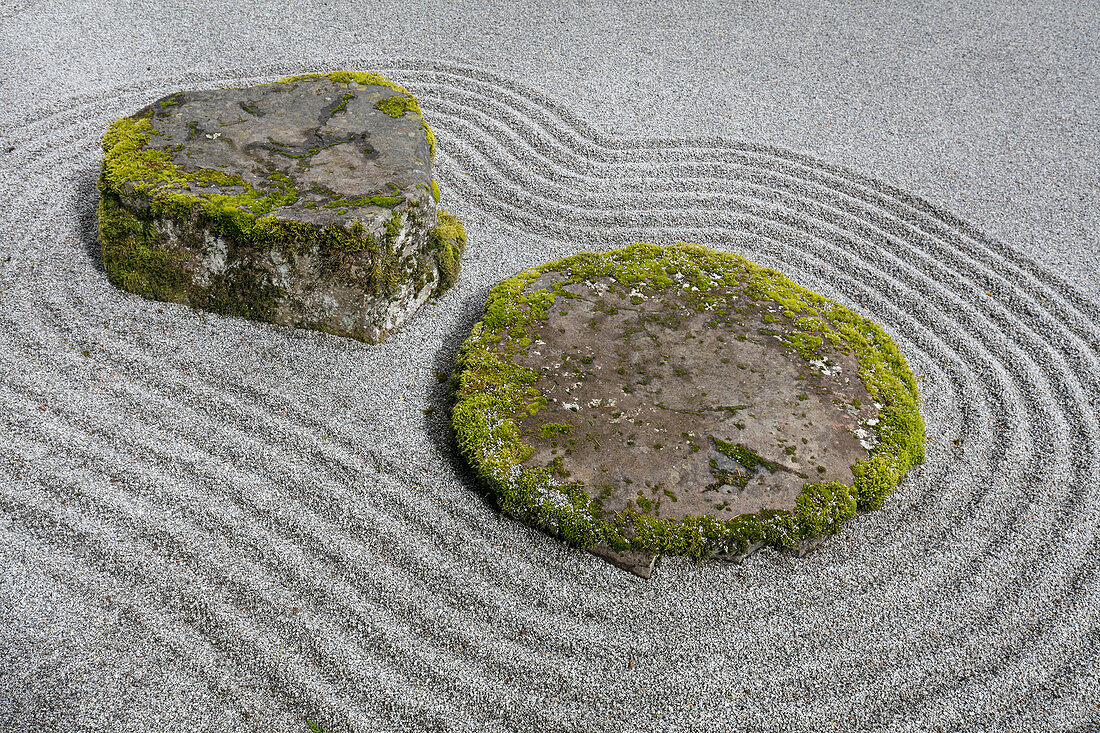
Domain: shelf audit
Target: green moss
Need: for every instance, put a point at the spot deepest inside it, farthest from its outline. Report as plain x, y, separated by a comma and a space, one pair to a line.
805, 344
550, 429
343, 103
494, 392
141, 183
447, 241
397, 105
288, 150
748, 461
245, 291
136, 259
386, 202
435, 191
822, 507
367, 78
748, 458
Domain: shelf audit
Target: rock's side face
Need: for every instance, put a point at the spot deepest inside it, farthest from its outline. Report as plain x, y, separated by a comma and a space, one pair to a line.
678, 400
307, 202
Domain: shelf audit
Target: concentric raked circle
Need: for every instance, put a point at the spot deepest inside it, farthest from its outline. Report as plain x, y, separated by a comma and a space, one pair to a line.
283, 551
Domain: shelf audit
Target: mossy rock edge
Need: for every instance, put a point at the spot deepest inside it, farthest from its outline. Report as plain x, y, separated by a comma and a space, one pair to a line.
502, 400
307, 202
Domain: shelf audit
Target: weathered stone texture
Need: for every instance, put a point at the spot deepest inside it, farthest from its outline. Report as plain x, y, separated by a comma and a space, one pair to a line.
677, 400
686, 412
307, 203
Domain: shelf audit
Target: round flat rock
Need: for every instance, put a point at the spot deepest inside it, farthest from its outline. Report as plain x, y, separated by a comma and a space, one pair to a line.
681, 400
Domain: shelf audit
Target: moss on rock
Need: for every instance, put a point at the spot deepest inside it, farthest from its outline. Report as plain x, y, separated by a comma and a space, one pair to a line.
447, 241
394, 106
145, 185
496, 394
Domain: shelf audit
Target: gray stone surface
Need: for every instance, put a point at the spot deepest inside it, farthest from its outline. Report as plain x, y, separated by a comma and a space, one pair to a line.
658, 395
335, 160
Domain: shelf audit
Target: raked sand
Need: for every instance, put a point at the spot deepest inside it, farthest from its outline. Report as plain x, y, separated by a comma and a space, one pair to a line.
218, 525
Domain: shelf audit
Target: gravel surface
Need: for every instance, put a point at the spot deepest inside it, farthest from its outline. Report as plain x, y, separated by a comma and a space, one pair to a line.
213, 524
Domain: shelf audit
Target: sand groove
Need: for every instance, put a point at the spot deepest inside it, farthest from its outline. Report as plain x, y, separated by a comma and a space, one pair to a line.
212, 475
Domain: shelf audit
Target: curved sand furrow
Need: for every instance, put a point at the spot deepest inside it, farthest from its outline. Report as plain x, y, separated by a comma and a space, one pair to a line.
418, 606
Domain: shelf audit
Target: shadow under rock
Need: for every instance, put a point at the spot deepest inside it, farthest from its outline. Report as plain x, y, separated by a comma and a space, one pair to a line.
441, 394
84, 199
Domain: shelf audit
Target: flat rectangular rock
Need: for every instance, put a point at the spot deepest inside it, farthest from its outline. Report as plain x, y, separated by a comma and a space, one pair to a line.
308, 202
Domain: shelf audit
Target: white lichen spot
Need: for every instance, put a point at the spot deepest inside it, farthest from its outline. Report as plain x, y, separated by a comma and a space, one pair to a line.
554, 497
866, 438
215, 253
826, 367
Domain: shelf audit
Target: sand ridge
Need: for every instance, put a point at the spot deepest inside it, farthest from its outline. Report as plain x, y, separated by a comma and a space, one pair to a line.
221, 525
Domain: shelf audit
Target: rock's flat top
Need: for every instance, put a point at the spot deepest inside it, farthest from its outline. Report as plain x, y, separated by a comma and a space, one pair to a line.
681, 400
685, 412
329, 149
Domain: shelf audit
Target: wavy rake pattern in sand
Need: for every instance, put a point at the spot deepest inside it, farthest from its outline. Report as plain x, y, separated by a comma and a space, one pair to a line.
1009, 351
921, 257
